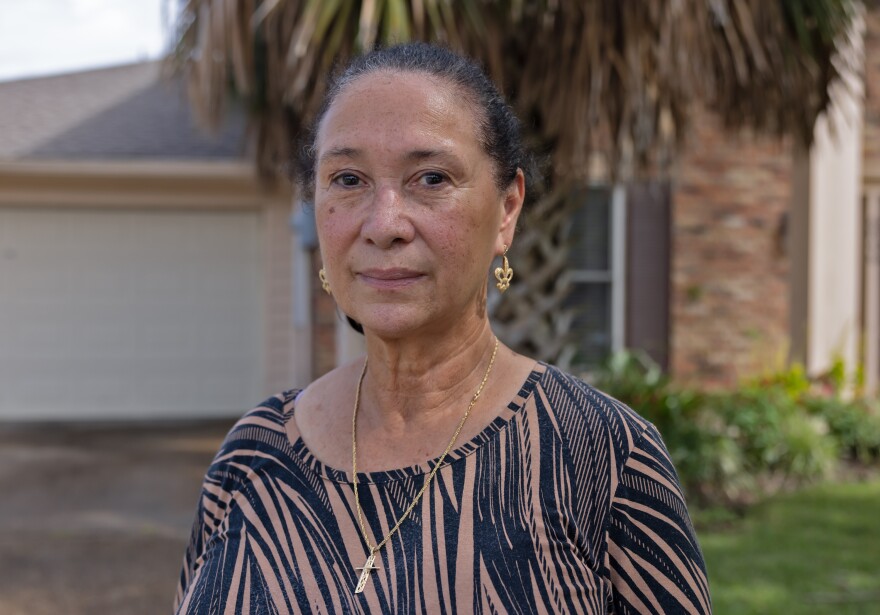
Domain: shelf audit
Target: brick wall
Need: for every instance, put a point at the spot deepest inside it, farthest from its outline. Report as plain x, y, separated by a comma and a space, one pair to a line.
729, 272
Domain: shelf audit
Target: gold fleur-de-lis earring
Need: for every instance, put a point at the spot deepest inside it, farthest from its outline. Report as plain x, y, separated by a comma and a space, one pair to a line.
504, 274
325, 283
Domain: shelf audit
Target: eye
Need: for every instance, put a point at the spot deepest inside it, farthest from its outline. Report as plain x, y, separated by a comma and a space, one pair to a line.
432, 178
348, 180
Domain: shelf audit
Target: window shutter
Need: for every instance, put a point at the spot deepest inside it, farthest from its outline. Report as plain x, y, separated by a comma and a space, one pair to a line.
648, 263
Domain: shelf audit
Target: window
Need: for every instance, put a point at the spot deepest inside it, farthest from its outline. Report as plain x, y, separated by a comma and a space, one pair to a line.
597, 271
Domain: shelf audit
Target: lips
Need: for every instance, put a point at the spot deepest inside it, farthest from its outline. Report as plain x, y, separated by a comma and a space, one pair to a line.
391, 278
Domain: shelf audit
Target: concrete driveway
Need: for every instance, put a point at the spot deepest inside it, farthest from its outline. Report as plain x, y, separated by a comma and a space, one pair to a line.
94, 519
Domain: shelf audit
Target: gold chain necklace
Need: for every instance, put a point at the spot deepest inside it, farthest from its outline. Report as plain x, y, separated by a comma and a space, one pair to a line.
368, 566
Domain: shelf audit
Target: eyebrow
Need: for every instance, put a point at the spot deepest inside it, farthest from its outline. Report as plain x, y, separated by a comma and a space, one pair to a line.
423, 154
416, 155
340, 152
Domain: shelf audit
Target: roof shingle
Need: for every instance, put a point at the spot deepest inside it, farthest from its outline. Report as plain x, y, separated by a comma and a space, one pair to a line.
120, 113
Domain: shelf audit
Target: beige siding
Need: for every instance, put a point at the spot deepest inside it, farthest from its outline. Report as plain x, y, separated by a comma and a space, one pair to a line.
216, 244
129, 314
831, 184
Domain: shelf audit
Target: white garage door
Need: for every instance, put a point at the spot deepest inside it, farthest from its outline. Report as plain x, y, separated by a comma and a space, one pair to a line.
115, 314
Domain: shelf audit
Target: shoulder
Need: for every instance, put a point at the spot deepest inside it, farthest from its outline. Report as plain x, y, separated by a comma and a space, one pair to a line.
270, 415
260, 434
256, 438
581, 406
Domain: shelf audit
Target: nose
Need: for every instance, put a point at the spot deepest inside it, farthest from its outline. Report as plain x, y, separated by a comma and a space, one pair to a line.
387, 221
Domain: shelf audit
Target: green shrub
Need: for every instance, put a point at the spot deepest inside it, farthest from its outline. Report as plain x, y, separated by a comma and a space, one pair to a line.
736, 446
633, 378
781, 444
855, 425
793, 380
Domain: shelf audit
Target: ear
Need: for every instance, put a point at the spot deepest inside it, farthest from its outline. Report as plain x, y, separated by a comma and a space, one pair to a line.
512, 203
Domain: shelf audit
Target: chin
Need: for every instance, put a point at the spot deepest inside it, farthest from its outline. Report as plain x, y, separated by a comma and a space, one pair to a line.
394, 322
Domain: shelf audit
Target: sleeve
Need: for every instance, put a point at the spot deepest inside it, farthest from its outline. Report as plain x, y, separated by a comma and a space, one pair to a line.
207, 567
228, 474
213, 504
196, 543
654, 560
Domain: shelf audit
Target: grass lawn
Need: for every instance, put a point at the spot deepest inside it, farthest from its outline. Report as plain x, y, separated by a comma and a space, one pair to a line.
812, 552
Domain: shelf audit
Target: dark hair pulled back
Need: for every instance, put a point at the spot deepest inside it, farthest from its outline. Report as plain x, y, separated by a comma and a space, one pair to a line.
500, 134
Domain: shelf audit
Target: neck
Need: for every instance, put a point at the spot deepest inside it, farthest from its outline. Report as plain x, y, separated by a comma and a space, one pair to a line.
418, 380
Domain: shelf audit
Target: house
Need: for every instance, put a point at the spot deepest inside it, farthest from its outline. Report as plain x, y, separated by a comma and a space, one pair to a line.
755, 252
146, 272
775, 248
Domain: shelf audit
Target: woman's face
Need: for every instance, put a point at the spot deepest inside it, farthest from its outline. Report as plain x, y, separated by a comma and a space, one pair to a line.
408, 212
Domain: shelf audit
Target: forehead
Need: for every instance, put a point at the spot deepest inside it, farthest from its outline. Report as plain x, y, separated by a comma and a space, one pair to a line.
408, 104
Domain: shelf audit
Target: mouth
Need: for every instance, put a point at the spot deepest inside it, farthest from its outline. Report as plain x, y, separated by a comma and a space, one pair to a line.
392, 278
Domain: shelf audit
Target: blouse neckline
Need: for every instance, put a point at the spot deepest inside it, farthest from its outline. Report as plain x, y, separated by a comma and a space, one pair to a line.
301, 452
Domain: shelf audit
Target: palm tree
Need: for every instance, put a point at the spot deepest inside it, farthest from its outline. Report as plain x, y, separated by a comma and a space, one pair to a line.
615, 77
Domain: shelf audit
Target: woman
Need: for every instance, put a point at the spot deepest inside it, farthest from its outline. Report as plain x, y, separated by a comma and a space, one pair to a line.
485, 482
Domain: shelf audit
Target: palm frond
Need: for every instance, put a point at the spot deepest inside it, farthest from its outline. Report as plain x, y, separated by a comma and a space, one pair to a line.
587, 75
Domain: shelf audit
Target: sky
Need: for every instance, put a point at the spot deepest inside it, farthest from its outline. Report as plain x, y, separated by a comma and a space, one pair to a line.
46, 37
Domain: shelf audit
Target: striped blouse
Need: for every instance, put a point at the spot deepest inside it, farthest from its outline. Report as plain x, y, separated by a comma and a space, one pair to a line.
566, 503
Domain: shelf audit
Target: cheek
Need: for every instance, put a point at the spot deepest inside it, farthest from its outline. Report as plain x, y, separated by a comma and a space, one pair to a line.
464, 238
332, 229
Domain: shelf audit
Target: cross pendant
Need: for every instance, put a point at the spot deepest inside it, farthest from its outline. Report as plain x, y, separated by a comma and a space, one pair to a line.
366, 569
